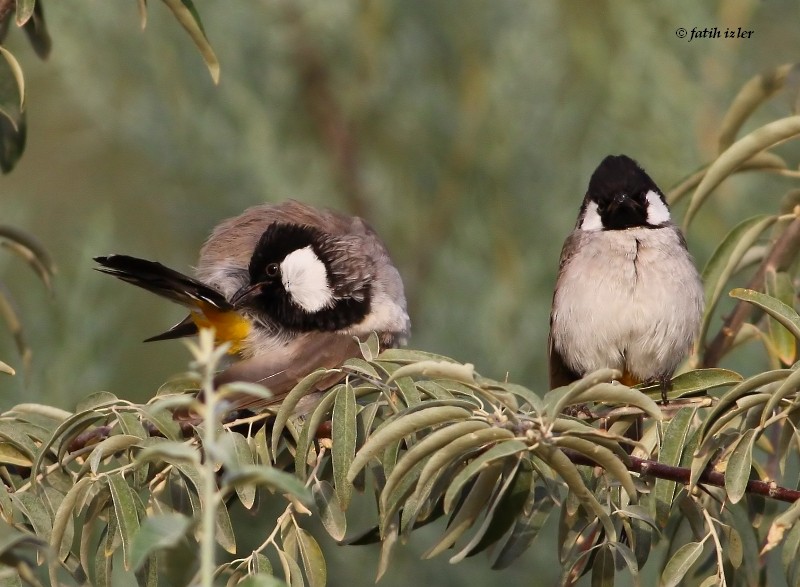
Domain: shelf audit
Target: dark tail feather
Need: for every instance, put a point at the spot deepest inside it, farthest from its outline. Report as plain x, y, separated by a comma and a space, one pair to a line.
185, 327
162, 281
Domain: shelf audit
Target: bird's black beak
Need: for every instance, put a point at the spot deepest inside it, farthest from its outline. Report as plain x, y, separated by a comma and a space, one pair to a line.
245, 295
624, 202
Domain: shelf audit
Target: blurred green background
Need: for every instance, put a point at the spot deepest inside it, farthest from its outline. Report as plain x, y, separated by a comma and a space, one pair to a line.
465, 131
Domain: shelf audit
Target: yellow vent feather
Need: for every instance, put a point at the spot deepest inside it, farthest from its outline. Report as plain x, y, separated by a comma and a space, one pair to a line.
228, 325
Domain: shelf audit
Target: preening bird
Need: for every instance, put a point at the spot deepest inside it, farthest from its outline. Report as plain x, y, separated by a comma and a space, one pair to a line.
289, 286
628, 295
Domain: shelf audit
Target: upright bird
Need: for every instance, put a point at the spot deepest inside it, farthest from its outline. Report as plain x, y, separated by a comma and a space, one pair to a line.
289, 286
628, 295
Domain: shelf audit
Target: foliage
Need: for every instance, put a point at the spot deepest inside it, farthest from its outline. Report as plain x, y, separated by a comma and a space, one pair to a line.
148, 491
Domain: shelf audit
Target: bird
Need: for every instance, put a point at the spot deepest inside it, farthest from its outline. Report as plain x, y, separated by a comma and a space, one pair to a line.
628, 295
289, 287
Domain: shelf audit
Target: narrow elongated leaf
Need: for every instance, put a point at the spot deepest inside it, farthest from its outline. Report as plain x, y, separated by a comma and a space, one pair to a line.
108, 447
569, 473
313, 559
271, 477
680, 563
436, 369
691, 382
672, 447
500, 451
401, 428
344, 442
746, 387
224, 528
470, 510
405, 356
157, 532
759, 140
556, 400
752, 94
189, 19
724, 261
618, 394
784, 314
787, 388
506, 511
779, 286
603, 568
125, 514
244, 459
31, 250
526, 528
307, 434
430, 444
737, 473
289, 403
65, 432
170, 451
604, 457
456, 449
330, 514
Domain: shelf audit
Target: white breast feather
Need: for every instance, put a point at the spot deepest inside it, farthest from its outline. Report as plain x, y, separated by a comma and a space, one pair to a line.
615, 310
305, 279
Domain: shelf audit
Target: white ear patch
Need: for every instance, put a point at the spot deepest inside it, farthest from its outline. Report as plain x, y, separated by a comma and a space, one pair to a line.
657, 211
305, 279
591, 218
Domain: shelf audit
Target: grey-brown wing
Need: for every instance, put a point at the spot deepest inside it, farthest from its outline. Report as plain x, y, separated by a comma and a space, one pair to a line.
560, 373
320, 350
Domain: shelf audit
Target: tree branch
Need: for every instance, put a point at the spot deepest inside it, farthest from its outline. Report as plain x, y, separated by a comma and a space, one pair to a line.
681, 475
781, 255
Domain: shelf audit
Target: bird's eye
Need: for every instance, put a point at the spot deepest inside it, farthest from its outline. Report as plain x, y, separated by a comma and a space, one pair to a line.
272, 270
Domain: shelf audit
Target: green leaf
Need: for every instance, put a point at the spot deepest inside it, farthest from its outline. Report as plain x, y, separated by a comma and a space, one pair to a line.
787, 388
370, 348
755, 92
275, 479
189, 19
556, 400
456, 450
724, 261
105, 448
603, 567
125, 514
506, 510
225, 535
157, 532
784, 314
171, 452
66, 431
675, 434
526, 528
737, 473
500, 451
63, 516
691, 382
604, 457
739, 152
309, 430
569, 473
680, 563
313, 559
436, 369
24, 11
330, 513
405, 356
30, 250
343, 437
778, 285
260, 580
427, 446
12, 111
469, 511
400, 428
289, 403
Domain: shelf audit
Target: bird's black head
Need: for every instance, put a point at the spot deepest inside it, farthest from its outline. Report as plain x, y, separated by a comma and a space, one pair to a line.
301, 280
620, 196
